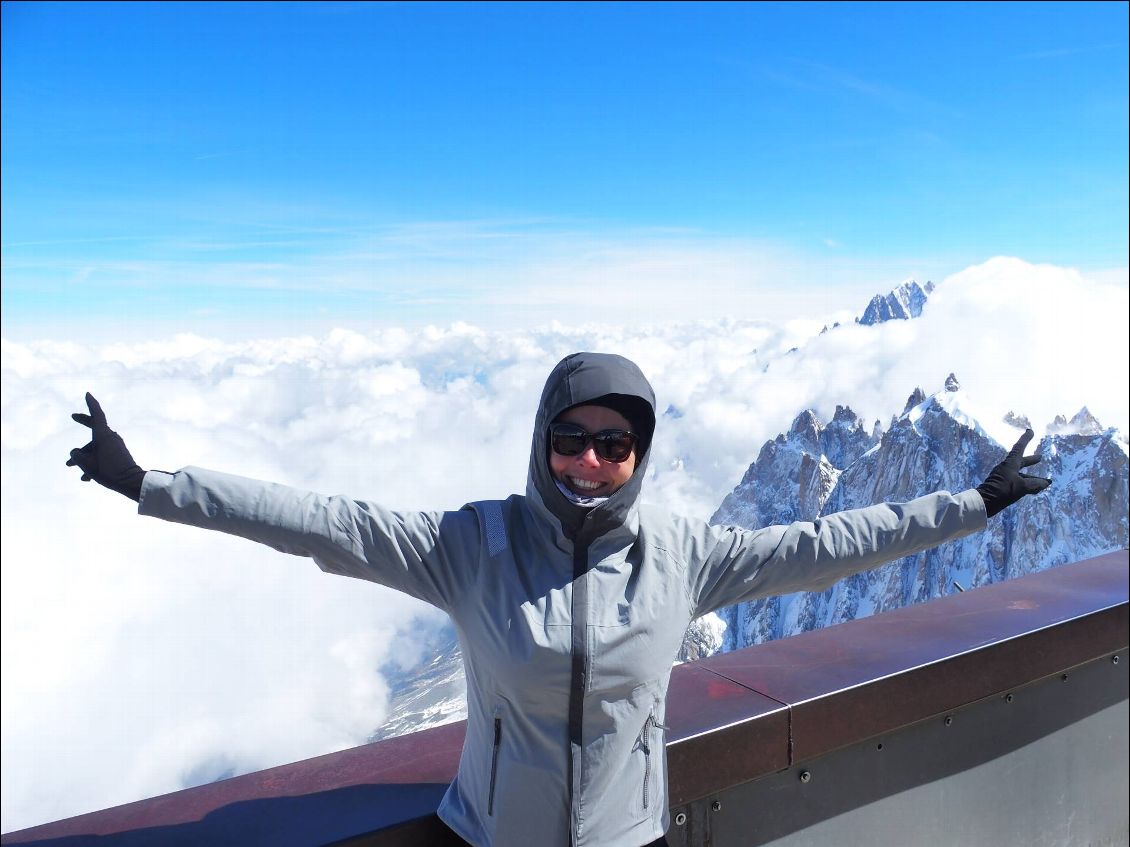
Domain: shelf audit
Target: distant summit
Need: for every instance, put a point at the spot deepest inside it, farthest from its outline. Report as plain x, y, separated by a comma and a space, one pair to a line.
902, 304
1083, 423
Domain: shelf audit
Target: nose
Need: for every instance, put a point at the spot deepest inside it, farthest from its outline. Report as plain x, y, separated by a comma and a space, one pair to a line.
588, 458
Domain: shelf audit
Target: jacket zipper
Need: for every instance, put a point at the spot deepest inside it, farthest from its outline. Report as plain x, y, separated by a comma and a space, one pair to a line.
578, 684
645, 745
646, 760
494, 763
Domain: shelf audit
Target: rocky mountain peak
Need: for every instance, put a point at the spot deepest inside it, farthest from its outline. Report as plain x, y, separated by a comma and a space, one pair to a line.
1081, 423
903, 303
1018, 421
805, 422
916, 397
952, 384
1084, 423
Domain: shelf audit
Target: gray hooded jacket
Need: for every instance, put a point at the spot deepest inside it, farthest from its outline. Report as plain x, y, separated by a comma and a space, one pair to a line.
569, 618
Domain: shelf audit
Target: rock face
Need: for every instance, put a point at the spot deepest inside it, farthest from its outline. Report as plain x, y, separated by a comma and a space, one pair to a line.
796, 472
426, 695
935, 444
904, 303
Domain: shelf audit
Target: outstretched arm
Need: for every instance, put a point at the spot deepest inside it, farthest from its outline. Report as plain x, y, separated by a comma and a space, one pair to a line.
812, 555
736, 565
427, 555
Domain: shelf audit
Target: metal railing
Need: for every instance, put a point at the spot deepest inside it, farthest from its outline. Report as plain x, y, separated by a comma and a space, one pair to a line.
995, 716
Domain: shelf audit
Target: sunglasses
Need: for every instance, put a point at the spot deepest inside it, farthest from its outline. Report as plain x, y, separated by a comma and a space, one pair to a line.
612, 445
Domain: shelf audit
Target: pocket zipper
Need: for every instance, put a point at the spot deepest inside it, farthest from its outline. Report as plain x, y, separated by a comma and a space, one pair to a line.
645, 745
494, 763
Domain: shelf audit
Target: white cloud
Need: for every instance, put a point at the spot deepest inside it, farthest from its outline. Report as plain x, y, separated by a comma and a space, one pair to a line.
498, 274
164, 655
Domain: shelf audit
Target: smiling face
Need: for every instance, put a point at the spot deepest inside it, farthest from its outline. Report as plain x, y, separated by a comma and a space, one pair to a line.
587, 474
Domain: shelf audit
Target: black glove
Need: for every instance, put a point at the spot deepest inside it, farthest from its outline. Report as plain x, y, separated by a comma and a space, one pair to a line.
1006, 484
105, 459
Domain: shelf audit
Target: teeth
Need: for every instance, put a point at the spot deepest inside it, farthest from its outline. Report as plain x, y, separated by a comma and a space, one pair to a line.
585, 484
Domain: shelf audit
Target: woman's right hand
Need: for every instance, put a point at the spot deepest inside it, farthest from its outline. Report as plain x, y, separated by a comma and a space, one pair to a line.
105, 458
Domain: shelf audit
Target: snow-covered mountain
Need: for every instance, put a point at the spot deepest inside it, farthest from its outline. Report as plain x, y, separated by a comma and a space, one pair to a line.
903, 303
939, 442
431, 694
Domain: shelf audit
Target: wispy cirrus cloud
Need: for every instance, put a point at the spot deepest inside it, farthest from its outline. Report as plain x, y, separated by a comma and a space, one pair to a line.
495, 272
817, 77
1066, 52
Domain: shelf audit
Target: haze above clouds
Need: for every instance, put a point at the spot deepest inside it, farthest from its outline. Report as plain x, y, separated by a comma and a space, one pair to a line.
140, 657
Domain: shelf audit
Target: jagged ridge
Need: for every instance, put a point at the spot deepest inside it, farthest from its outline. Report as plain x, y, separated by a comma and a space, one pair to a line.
936, 443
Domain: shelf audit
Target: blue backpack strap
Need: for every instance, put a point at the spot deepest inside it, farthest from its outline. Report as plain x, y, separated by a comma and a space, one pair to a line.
491, 524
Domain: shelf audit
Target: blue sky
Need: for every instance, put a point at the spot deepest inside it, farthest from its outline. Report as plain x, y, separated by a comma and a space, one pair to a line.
200, 165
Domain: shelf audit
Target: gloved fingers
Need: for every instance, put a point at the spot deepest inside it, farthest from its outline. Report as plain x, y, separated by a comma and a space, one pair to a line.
1034, 484
79, 459
1016, 454
97, 416
1034, 459
80, 453
85, 420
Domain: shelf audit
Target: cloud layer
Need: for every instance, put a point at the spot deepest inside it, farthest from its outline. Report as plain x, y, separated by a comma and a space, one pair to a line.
140, 657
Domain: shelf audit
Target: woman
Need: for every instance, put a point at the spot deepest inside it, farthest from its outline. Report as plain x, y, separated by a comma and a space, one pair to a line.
570, 601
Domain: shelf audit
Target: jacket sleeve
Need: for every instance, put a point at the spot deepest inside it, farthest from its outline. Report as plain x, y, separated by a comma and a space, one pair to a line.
728, 565
424, 554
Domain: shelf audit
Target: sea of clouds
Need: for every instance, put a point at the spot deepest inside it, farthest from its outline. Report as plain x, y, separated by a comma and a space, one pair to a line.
141, 657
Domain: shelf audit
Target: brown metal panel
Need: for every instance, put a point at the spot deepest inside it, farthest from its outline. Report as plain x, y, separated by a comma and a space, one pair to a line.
858, 679
413, 762
721, 734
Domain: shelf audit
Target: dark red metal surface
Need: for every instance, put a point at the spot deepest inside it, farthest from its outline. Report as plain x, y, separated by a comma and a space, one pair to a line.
859, 679
406, 774
721, 733
733, 717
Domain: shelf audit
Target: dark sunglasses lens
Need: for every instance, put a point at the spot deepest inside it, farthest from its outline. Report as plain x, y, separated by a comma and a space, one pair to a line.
568, 440
614, 446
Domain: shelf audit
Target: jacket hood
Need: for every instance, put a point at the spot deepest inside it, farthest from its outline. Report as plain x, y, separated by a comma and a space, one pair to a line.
578, 379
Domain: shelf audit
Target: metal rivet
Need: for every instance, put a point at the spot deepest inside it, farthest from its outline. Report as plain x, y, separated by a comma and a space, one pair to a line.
716, 806
805, 776
1114, 660
879, 746
949, 720
1008, 698
680, 819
